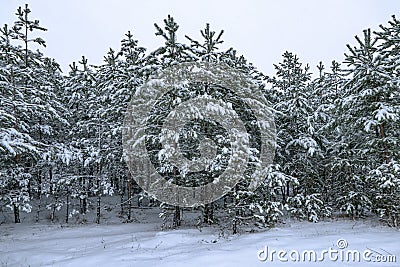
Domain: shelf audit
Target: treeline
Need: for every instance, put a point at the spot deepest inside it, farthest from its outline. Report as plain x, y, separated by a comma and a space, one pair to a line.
337, 134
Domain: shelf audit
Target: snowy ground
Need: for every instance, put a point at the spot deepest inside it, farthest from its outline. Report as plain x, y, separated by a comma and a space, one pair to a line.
143, 244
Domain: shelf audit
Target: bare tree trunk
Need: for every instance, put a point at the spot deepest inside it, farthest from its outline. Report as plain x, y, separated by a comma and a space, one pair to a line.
98, 209
53, 211
39, 197
38, 209
236, 217
177, 216
121, 191
129, 197
234, 224
121, 195
16, 214
83, 205
208, 216
67, 204
287, 189
177, 209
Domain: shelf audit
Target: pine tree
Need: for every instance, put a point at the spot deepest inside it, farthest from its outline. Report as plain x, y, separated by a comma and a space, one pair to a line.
29, 88
386, 177
206, 51
118, 79
327, 89
369, 122
298, 143
169, 55
80, 89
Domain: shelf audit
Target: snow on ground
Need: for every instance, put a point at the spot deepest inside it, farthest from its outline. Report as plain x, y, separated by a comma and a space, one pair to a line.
143, 244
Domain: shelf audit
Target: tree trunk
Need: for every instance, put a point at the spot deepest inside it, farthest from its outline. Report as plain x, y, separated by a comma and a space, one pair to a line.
16, 214
67, 204
208, 216
121, 194
53, 211
98, 209
39, 197
83, 206
38, 209
234, 226
129, 197
177, 216
121, 212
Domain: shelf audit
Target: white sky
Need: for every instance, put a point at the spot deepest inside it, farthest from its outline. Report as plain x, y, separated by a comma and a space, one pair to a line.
261, 30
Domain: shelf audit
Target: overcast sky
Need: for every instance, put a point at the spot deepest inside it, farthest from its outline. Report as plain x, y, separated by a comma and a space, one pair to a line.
261, 30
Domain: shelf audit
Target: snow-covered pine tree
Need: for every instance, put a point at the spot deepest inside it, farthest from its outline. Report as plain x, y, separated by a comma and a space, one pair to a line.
369, 122
15, 140
166, 56
53, 131
389, 182
206, 51
80, 94
118, 79
249, 207
326, 90
29, 85
386, 177
298, 147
